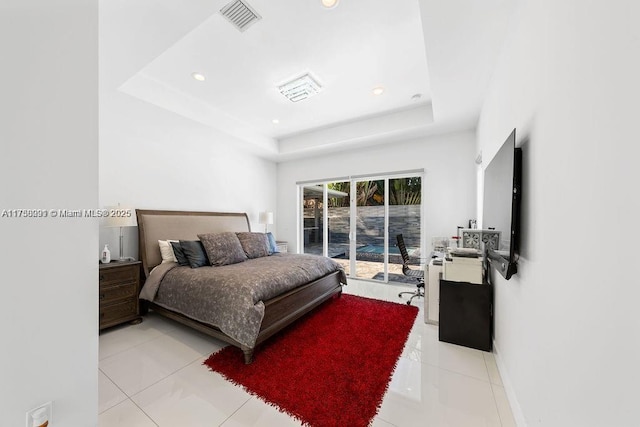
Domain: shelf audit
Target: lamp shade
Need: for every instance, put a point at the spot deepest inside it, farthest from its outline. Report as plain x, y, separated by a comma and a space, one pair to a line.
265, 218
120, 217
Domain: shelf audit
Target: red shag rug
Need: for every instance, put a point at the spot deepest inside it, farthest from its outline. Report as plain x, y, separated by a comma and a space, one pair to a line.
330, 368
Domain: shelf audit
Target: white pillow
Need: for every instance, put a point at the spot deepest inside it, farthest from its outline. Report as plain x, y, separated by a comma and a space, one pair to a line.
166, 250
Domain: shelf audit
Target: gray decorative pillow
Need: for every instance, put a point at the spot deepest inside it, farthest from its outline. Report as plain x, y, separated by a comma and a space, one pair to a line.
222, 248
194, 252
255, 245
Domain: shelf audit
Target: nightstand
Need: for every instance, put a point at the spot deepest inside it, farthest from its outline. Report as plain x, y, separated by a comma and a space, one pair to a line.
282, 247
119, 288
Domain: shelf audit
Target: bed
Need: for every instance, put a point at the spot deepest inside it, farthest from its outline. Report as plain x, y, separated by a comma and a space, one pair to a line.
297, 283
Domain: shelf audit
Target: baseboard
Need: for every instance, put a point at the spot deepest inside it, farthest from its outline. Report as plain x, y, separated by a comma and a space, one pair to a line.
518, 416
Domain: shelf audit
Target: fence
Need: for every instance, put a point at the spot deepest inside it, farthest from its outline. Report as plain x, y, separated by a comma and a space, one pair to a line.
403, 219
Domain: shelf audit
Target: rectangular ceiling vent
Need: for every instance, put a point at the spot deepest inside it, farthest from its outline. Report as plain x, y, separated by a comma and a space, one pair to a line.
240, 14
300, 88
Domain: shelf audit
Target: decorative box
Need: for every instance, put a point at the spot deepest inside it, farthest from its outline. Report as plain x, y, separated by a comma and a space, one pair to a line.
473, 238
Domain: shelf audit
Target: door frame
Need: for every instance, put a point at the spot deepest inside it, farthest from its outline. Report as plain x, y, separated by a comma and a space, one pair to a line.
353, 179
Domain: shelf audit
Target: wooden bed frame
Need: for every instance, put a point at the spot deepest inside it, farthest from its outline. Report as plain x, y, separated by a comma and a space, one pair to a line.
281, 311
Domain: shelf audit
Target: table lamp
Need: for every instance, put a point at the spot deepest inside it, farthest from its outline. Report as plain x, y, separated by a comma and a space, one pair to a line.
265, 218
121, 220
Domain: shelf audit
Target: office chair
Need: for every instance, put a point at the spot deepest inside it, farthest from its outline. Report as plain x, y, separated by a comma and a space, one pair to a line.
416, 274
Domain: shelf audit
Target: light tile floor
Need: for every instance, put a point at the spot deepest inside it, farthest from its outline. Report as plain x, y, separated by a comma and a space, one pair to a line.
151, 374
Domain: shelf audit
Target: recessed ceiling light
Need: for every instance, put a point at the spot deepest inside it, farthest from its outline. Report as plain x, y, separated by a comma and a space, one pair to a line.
329, 4
275, 121
416, 97
378, 90
198, 76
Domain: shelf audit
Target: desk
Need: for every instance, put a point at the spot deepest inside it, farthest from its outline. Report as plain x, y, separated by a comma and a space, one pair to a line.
461, 269
466, 304
457, 269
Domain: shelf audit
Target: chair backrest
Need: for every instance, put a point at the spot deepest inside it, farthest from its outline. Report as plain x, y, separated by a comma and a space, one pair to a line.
406, 270
403, 249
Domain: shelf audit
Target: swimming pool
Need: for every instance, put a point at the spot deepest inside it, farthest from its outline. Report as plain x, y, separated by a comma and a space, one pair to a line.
379, 250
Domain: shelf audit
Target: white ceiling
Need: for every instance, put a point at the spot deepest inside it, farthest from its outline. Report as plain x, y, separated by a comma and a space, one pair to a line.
443, 50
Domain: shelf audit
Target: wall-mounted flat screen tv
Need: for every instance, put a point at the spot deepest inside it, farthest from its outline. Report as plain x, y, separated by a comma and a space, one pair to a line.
501, 205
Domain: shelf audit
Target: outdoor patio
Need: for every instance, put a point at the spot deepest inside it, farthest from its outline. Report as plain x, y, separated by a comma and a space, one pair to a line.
369, 261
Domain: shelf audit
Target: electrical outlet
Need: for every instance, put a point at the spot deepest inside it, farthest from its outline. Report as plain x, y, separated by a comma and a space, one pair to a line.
40, 416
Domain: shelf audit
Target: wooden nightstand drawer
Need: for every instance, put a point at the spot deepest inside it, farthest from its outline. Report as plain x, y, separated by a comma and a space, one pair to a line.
118, 274
118, 291
114, 314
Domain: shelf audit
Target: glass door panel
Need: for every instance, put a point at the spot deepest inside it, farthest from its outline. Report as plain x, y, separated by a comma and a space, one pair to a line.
339, 222
405, 207
370, 230
312, 219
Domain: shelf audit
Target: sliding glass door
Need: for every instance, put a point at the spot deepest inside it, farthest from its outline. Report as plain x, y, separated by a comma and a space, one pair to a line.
405, 208
356, 221
339, 222
371, 243
312, 223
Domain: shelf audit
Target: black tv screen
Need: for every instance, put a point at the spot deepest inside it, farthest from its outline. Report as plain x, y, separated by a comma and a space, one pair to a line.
501, 205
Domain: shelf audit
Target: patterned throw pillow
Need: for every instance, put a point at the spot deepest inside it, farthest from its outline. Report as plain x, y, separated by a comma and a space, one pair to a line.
222, 248
255, 245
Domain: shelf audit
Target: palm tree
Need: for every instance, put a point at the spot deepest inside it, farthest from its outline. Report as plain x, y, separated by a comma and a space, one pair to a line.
402, 191
366, 190
405, 191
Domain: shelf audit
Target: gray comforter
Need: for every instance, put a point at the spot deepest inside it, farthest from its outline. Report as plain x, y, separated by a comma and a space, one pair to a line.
231, 297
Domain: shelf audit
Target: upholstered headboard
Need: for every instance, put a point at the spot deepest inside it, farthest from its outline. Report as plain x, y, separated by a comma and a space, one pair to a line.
156, 225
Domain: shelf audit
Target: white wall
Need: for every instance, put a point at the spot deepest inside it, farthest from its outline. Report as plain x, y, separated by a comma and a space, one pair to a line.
48, 160
567, 325
449, 180
151, 158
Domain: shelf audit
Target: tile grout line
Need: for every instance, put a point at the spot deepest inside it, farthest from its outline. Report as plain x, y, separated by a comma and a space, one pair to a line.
457, 373
130, 397
382, 419
493, 392
143, 411
164, 378
236, 411
116, 386
134, 404
162, 333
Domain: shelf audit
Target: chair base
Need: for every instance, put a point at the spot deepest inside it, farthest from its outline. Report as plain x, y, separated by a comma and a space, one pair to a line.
419, 292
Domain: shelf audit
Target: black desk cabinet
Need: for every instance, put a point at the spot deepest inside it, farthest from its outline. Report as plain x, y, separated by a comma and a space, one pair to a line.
466, 314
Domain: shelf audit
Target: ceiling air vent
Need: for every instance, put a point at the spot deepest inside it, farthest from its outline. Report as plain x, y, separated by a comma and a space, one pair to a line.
240, 14
300, 88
